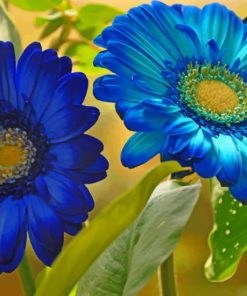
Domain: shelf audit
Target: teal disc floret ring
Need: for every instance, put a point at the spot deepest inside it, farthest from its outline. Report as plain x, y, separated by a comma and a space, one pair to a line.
179, 82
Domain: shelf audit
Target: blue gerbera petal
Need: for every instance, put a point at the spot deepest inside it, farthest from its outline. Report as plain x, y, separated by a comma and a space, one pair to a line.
142, 147
12, 233
230, 34
192, 35
95, 172
45, 229
7, 73
37, 65
67, 198
177, 143
199, 144
60, 127
211, 19
140, 61
239, 190
113, 88
167, 19
71, 90
208, 166
192, 17
73, 228
180, 124
230, 159
69, 155
87, 197
130, 23
91, 174
142, 118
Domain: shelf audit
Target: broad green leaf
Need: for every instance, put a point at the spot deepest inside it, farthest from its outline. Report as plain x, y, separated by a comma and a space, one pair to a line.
8, 30
228, 239
51, 27
42, 20
41, 275
129, 262
83, 56
81, 252
36, 5
73, 291
93, 17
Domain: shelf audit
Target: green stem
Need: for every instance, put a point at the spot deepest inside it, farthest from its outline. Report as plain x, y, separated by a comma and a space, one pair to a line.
57, 43
167, 277
26, 277
211, 185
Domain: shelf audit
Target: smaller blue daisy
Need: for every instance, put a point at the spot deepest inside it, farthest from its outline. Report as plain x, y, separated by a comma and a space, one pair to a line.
181, 84
45, 157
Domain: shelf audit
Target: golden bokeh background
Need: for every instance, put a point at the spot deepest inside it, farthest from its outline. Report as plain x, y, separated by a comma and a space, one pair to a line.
192, 250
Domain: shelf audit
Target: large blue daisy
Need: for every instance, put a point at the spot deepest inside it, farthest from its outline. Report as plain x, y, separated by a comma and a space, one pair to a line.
180, 83
45, 157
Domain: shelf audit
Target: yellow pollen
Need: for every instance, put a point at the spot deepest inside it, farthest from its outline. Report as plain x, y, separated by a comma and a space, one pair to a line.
216, 96
11, 155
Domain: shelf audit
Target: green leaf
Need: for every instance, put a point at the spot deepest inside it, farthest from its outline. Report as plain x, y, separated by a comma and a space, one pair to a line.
8, 30
93, 17
36, 5
42, 20
126, 266
228, 239
51, 27
81, 252
83, 56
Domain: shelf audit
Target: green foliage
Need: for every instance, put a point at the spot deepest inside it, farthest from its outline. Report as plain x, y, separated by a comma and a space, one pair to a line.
43, 20
51, 27
91, 242
36, 5
8, 31
83, 56
55, 20
93, 18
228, 239
126, 266
89, 21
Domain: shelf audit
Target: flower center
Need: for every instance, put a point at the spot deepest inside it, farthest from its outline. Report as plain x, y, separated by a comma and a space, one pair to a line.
214, 93
17, 153
10, 155
216, 96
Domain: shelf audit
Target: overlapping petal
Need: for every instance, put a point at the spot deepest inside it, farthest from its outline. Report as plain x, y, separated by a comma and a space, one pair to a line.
45, 229
13, 228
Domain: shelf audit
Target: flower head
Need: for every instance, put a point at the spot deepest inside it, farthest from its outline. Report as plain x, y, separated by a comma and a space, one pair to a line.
45, 157
181, 84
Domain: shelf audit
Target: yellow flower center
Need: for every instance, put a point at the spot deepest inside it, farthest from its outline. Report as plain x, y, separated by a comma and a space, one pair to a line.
17, 154
216, 96
11, 155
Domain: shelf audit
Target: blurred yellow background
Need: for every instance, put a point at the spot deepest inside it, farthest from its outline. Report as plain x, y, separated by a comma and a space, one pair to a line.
192, 251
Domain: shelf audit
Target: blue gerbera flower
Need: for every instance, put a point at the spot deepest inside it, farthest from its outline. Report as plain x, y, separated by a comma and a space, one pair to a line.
181, 84
45, 157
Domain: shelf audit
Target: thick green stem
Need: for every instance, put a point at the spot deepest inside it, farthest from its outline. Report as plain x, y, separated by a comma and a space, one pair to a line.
26, 277
167, 278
